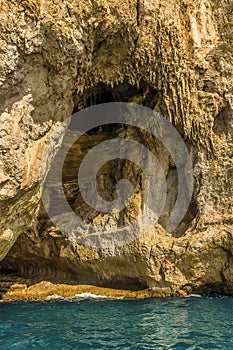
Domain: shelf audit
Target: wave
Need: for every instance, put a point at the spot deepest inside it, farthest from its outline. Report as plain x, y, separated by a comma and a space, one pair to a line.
193, 296
81, 296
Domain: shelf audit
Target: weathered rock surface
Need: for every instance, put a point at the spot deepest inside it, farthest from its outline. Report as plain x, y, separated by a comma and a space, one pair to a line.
174, 57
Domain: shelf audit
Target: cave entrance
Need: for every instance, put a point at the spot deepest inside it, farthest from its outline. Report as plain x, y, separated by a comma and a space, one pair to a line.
115, 170
112, 172
22, 260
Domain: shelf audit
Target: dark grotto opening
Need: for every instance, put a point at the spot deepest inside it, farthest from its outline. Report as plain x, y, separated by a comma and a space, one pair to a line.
114, 170
37, 257
109, 175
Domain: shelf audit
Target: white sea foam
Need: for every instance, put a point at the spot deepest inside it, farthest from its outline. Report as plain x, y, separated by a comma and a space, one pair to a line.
90, 296
81, 296
54, 297
193, 296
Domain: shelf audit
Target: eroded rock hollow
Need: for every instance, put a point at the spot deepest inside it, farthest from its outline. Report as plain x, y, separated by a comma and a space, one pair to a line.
62, 57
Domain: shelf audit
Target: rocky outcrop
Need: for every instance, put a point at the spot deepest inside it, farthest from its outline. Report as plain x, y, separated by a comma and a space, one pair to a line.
61, 56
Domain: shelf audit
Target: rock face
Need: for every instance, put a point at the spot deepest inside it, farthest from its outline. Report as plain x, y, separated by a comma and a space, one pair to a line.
61, 56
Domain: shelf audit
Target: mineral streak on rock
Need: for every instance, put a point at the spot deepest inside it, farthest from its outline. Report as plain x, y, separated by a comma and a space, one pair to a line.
61, 56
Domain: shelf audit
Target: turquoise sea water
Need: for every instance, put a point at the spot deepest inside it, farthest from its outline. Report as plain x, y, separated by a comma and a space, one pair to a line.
175, 323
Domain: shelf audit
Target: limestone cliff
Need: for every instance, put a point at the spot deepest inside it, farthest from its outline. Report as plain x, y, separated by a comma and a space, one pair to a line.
172, 56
